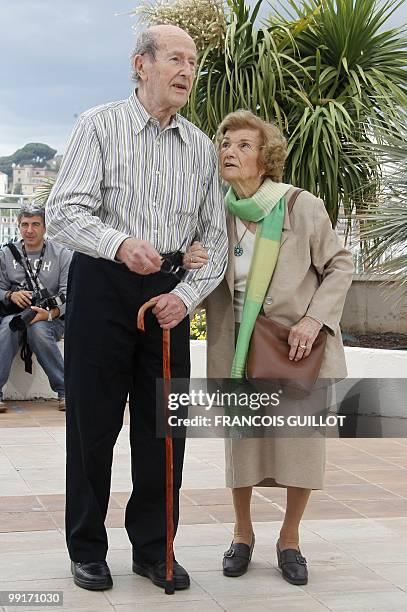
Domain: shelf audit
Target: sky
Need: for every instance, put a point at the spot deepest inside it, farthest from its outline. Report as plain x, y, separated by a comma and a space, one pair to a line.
61, 57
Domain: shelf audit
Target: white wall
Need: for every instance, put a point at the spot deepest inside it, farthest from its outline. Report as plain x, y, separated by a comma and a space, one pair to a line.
362, 363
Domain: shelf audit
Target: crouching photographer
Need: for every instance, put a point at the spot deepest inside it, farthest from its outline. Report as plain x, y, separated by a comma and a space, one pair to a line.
33, 280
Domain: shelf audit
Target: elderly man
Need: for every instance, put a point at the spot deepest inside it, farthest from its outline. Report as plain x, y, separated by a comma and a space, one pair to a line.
138, 182
36, 261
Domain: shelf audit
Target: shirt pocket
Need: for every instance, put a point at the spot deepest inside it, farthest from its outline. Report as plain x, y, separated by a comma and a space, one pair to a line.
188, 194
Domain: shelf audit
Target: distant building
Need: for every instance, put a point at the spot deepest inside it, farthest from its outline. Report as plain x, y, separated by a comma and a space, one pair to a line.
3, 183
27, 178
8, 224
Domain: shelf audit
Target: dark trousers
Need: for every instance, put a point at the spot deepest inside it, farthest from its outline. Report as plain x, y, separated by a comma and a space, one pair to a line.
107, 358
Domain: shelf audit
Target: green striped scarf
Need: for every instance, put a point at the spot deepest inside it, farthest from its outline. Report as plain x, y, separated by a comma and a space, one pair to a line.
267, 207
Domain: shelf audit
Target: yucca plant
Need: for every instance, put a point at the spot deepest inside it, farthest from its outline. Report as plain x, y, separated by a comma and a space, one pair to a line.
256, 71
43, 190
323, 71
384, 224
355, 86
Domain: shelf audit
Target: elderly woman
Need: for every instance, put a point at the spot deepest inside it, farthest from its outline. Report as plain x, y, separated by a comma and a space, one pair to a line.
306, 276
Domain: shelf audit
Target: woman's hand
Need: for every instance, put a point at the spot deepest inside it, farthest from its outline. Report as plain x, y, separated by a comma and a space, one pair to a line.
302, 337
195, 256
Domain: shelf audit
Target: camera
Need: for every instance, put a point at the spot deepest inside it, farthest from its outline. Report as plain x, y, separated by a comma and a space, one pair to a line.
40, 298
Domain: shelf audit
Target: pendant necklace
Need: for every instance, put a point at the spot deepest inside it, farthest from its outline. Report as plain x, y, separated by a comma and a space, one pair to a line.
238, 249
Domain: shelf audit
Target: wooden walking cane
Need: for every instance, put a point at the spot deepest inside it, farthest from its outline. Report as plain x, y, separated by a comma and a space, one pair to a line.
169, 468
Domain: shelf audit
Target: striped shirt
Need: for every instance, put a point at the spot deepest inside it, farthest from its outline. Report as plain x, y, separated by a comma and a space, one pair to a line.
122, 176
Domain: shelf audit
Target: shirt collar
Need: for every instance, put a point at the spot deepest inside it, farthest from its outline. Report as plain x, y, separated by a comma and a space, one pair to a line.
141, 117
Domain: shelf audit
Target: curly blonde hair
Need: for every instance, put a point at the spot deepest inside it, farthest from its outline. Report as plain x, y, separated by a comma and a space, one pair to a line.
274, 148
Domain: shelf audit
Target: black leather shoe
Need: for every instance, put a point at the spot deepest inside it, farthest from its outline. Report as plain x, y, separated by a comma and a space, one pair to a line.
236, 560
293, 565
92, 575
157, 573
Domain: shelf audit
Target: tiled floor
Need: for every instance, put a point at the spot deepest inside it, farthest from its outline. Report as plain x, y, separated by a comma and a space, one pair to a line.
354, 533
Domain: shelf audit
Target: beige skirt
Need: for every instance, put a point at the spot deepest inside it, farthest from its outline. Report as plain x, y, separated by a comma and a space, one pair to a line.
275, 462
278, 461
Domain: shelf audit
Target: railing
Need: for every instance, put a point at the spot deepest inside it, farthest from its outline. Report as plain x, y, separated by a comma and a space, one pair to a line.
9, 228
9, 205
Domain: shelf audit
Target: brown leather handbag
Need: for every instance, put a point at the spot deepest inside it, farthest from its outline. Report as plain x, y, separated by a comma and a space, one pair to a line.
268, 356
269, 349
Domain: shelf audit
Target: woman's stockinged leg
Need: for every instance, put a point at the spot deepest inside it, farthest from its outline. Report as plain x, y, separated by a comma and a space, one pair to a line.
297, 499
243, 527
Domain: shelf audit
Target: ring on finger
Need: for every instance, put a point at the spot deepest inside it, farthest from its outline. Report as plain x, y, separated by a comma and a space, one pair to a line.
302, 346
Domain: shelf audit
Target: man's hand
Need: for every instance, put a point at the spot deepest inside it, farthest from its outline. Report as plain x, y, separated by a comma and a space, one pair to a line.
139, 256
42, 314
169, 310
22, 299
302, 337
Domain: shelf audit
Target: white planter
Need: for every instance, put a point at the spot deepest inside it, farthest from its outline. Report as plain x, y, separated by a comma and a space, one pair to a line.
375, 363
362, 363
23, 386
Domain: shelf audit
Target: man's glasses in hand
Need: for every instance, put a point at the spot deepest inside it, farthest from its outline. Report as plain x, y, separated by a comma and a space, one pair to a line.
168, 267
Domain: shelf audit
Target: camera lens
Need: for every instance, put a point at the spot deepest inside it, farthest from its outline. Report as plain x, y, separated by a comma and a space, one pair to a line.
20, 322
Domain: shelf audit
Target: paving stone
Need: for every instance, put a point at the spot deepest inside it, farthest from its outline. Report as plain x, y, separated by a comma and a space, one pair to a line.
197, 535
350, 577
256, 582
330, 510
395, 573
170, 606
396, 507
354, 534
392, 600
384, 476
20, 541
74, 598
209, 558
133, 589
33, 566
349, 492
25, 521
351, 530
275, 604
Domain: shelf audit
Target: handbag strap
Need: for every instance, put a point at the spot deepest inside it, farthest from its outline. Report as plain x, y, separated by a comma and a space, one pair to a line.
290, 206
293, 199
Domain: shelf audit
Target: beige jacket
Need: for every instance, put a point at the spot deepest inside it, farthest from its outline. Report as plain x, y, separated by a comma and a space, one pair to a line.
308, 244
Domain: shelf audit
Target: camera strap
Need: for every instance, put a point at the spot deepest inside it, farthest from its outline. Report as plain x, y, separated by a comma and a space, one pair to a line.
34, 275
31, 277
26, 352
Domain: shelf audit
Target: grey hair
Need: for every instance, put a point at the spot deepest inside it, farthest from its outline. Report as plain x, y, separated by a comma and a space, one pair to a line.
146, 44
31, 210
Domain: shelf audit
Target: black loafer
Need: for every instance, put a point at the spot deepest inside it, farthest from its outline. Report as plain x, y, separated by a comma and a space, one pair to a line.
92, 575
236, 560
157, 573
293, 565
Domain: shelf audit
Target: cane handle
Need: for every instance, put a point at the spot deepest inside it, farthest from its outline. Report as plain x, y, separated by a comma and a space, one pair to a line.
140, 314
